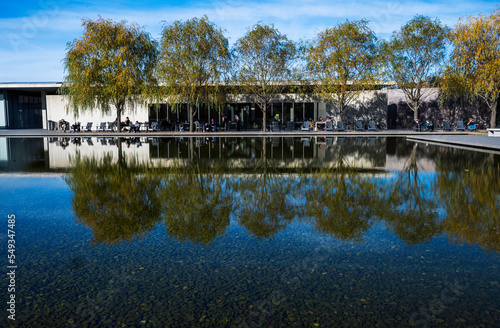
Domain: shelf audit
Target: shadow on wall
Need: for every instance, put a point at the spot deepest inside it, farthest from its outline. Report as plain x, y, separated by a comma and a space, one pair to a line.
372, 109
463, 109
404, 115
400, 116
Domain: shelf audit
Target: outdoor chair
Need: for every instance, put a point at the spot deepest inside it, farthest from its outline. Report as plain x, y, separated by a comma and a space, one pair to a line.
460, 125
101, 127
197, 126
305, 142
111, 127
340, 126
329, 126
87, 128
66, 128
372, 126
446, 126
306, 126
275, 126
359, 126
154, 127
290, 126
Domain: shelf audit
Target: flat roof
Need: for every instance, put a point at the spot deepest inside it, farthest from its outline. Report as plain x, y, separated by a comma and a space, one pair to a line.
31, 86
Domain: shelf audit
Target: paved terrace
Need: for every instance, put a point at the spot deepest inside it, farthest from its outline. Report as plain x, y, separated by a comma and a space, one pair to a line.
473, 141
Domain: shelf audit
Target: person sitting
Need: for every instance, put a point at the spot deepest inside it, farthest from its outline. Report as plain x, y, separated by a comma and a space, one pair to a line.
125, 126
417, 125
320, 124
63, 125
135, 127
471, 124
429, 126
213, 124
76, 127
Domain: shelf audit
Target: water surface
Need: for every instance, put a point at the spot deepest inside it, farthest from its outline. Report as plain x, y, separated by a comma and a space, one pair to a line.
242, 232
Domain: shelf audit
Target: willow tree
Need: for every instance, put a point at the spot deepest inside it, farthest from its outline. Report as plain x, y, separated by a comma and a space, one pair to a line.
475, 60
343, 60
194, 57
117, 201
264, 63
112, 64
413, 56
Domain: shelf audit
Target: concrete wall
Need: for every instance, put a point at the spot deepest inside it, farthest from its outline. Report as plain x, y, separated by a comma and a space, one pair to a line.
56, 110
369, 106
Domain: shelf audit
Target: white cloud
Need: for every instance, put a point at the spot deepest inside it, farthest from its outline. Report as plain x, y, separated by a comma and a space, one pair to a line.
40, 40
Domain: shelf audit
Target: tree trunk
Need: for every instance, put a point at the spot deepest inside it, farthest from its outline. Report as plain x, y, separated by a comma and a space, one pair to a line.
264, 115
119, 109
493, 119
341, 111
414, 108
191, 116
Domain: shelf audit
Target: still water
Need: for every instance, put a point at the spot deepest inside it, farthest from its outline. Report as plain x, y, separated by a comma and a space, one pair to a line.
249, 232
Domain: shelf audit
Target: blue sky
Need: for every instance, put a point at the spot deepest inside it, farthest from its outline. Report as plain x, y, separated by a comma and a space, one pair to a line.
35, 32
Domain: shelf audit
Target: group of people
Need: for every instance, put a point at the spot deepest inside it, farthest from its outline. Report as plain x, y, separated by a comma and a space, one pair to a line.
65, 125
428, 125
132, 127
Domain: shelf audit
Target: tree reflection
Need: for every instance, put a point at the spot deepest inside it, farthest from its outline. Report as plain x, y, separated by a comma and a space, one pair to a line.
196, 204
470, 194
265, 202
342, 203
412, 211
117, 201
195, 199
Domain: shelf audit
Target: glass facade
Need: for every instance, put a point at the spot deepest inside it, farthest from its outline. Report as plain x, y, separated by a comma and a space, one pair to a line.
24, 110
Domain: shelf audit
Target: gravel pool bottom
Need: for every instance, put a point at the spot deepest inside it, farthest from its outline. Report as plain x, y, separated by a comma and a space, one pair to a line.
299, 275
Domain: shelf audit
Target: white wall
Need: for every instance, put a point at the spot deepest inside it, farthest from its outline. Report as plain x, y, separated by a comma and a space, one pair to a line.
3, 119
56, 110
59, 157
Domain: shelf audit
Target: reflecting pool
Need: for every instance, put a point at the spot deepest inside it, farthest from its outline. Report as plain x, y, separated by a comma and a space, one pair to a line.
249, 232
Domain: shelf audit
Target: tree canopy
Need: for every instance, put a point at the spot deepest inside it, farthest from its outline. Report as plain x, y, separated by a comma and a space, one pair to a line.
414, 55
264, 63
343, 61
111, 64
194, 57
474, 66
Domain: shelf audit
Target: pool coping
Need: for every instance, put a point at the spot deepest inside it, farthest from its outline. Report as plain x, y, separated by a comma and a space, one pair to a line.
469, 142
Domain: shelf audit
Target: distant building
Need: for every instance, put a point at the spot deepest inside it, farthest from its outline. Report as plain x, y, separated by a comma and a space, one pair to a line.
39, 106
